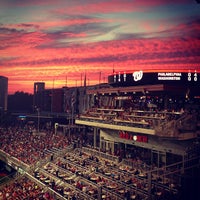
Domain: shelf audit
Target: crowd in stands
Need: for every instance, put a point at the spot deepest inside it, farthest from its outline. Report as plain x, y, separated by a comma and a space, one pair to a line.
78, 174
87, 172
24, 188
113, 115
29, 147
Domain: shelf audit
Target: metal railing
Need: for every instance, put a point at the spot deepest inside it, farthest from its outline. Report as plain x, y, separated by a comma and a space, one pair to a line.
98, 153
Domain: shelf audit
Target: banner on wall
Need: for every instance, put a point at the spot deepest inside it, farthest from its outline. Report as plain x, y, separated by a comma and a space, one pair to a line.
134, 137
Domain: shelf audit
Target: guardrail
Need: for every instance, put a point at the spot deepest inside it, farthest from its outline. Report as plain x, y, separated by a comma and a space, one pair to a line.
95, 152
45, 188
14, 162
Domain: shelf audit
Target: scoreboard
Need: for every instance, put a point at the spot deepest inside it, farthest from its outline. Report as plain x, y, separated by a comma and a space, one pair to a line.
158, 77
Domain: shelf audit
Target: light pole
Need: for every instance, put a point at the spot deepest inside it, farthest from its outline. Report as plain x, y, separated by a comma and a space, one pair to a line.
38, 120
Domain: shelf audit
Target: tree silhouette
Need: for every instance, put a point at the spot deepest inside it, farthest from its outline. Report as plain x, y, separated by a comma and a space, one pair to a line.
20, 102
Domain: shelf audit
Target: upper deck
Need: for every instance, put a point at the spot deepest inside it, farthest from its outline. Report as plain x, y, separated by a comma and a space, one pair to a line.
174, 125
164, 104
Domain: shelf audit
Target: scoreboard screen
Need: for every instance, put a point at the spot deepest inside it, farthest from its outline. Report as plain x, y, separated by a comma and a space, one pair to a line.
150, 78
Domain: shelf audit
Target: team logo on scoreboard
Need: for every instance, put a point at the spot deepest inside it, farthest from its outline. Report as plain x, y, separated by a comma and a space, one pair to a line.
137, 76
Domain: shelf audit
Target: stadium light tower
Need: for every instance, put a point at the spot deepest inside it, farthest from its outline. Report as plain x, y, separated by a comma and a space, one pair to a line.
38, 120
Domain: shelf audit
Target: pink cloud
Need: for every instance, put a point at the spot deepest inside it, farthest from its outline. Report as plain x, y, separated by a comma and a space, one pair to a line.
113, 6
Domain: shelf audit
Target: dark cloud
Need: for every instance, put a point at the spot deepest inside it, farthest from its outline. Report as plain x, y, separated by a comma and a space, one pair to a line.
5, 30
27, 3
89, 31
28, 26
190, 28
127, 36
8, 36
4, 60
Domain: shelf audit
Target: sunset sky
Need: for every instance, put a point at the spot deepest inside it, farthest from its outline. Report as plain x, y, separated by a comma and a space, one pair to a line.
58, 41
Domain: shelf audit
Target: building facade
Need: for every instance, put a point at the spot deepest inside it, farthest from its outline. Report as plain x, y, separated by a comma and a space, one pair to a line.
38, 98
3, 93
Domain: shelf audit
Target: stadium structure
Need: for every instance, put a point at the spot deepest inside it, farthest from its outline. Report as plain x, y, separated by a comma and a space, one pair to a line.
136, 137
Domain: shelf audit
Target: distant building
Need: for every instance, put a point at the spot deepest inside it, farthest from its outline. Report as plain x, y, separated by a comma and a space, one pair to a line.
71, 101
38, 98
3, 93
53, 100
48, 100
